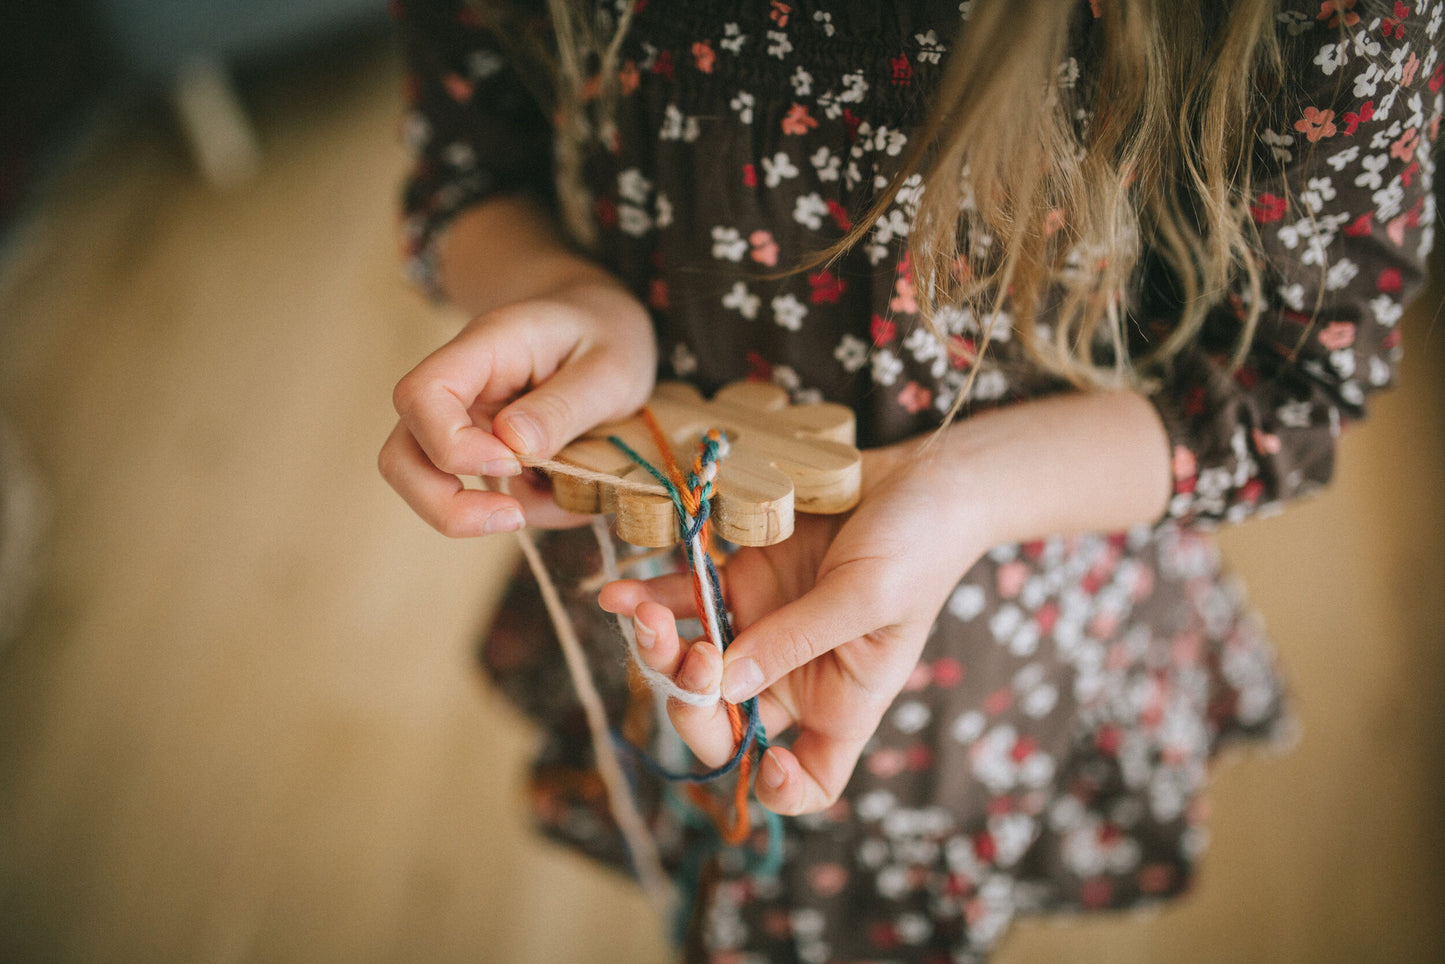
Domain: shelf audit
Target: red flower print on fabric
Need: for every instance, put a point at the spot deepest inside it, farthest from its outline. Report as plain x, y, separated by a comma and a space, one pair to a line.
703, 56
1267, 209
827, 288
961, 351
1361, 226
629, 77
1353, 120
902, 69
883, 330
458, 87
1337, 12
1394, 26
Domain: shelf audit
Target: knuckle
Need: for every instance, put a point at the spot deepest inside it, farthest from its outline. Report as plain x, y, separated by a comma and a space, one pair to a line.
824, 798
793, 647
408, 389
449, 459
452, 526
554, 415
881, 606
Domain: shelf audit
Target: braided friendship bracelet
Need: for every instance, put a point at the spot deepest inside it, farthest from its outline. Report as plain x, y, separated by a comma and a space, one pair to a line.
691, 498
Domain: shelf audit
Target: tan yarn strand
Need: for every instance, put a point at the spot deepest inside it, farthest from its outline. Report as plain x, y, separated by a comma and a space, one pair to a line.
629, 819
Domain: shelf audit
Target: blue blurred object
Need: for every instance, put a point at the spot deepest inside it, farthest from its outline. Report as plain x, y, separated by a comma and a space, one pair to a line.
192, 47
156, 38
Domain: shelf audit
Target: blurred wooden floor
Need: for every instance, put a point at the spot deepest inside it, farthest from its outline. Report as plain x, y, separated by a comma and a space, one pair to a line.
244, 723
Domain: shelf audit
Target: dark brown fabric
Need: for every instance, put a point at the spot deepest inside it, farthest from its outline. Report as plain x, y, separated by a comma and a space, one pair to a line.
1052, 747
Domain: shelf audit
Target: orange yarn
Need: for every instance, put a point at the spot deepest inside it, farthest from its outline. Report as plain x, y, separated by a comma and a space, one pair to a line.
738, 830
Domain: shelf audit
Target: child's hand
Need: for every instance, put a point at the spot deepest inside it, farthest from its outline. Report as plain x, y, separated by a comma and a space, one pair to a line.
522, 379
833, 620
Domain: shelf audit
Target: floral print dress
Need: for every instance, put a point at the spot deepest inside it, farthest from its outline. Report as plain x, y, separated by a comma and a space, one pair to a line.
1051, 748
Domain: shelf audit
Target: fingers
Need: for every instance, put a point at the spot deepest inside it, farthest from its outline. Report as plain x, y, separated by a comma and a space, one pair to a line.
540, 366
435, 401
533, 492
587, 391
524, 379
696, 667
693, 666
440, 498
673, 591
808, 777
847, 603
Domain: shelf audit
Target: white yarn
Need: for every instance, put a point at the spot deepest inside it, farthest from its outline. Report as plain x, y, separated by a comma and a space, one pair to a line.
657, 681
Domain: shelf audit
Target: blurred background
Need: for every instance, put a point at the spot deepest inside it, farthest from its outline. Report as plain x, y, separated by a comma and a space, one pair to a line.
240, 716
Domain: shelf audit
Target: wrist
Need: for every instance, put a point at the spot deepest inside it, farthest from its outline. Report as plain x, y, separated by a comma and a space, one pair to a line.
1063, 465
503, 251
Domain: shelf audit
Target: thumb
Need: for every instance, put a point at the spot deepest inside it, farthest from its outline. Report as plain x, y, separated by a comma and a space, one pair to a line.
579, 396
846, 603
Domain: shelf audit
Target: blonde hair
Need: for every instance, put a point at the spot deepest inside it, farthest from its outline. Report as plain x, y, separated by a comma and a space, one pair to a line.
1071, 185
1041, 196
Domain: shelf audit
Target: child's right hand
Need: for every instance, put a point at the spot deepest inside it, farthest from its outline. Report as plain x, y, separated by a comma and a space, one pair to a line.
522, 379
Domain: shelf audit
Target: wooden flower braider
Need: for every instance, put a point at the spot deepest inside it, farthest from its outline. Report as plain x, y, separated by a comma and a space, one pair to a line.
783, 457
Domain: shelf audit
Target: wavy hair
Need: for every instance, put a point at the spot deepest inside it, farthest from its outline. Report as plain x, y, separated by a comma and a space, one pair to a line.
1041, 195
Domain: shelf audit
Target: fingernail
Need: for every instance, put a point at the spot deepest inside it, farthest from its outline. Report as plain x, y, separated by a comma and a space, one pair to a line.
525, 427
741, 679
645, 636
771, 772
497, 468
697, 671
504, 520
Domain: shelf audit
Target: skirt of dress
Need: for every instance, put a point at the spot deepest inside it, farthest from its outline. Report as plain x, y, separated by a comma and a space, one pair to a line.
1048, 753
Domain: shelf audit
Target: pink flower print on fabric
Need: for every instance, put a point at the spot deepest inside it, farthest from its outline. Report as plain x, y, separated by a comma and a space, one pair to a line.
1316, 124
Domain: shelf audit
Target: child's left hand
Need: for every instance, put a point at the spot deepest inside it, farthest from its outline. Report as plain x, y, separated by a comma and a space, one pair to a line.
832, 621
834, 618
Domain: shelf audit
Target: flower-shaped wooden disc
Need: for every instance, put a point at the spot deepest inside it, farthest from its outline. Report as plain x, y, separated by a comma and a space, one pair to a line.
782, 457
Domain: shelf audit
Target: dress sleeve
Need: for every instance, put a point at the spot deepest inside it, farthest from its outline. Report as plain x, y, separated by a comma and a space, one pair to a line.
1345, 224
472, 122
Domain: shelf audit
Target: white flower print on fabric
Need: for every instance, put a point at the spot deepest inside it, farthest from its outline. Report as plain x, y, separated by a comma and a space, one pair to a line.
483, 64
930, 49
779, 45
851, 353
789, 312
886, 367
683, 361
633, 186
802, 82
677, 127
728, 244
733, 38
633, 220
778, 168
741, 300
810, 210
826, 163
743, 104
